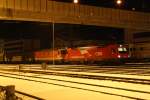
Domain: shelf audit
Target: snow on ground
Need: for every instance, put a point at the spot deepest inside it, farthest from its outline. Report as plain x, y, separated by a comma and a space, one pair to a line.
53, 92
63, 90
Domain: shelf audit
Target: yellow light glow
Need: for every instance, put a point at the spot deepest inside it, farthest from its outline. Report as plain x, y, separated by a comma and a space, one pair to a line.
75, 1
119, 2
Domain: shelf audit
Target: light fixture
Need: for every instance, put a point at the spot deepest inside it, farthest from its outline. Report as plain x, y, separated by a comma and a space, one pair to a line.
119, 2
75, 1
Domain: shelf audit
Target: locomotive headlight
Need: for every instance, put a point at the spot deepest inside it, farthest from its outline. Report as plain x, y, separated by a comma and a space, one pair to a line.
120, 45
119, 56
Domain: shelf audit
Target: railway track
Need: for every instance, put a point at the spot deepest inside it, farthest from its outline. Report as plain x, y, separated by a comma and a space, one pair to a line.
125, 69
98, 88
79, 75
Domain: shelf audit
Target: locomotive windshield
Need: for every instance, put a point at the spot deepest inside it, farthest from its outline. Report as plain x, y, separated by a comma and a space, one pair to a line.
122, 50
63, 51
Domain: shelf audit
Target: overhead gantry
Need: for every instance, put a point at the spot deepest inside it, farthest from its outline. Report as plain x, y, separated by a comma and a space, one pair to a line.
58, 12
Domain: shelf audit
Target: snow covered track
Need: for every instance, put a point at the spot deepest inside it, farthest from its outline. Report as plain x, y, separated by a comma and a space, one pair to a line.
71, 83
75, 84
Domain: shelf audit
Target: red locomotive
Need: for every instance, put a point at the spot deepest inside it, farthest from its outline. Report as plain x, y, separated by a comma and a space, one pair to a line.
88, 54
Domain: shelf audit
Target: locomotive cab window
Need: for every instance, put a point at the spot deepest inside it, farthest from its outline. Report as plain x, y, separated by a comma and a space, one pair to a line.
63, 51
122, 50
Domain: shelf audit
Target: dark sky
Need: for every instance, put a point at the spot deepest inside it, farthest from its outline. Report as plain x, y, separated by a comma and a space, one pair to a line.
139, 5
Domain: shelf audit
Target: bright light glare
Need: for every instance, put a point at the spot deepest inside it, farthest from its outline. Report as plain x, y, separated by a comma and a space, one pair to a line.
119, 2
119, 56
75, 1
